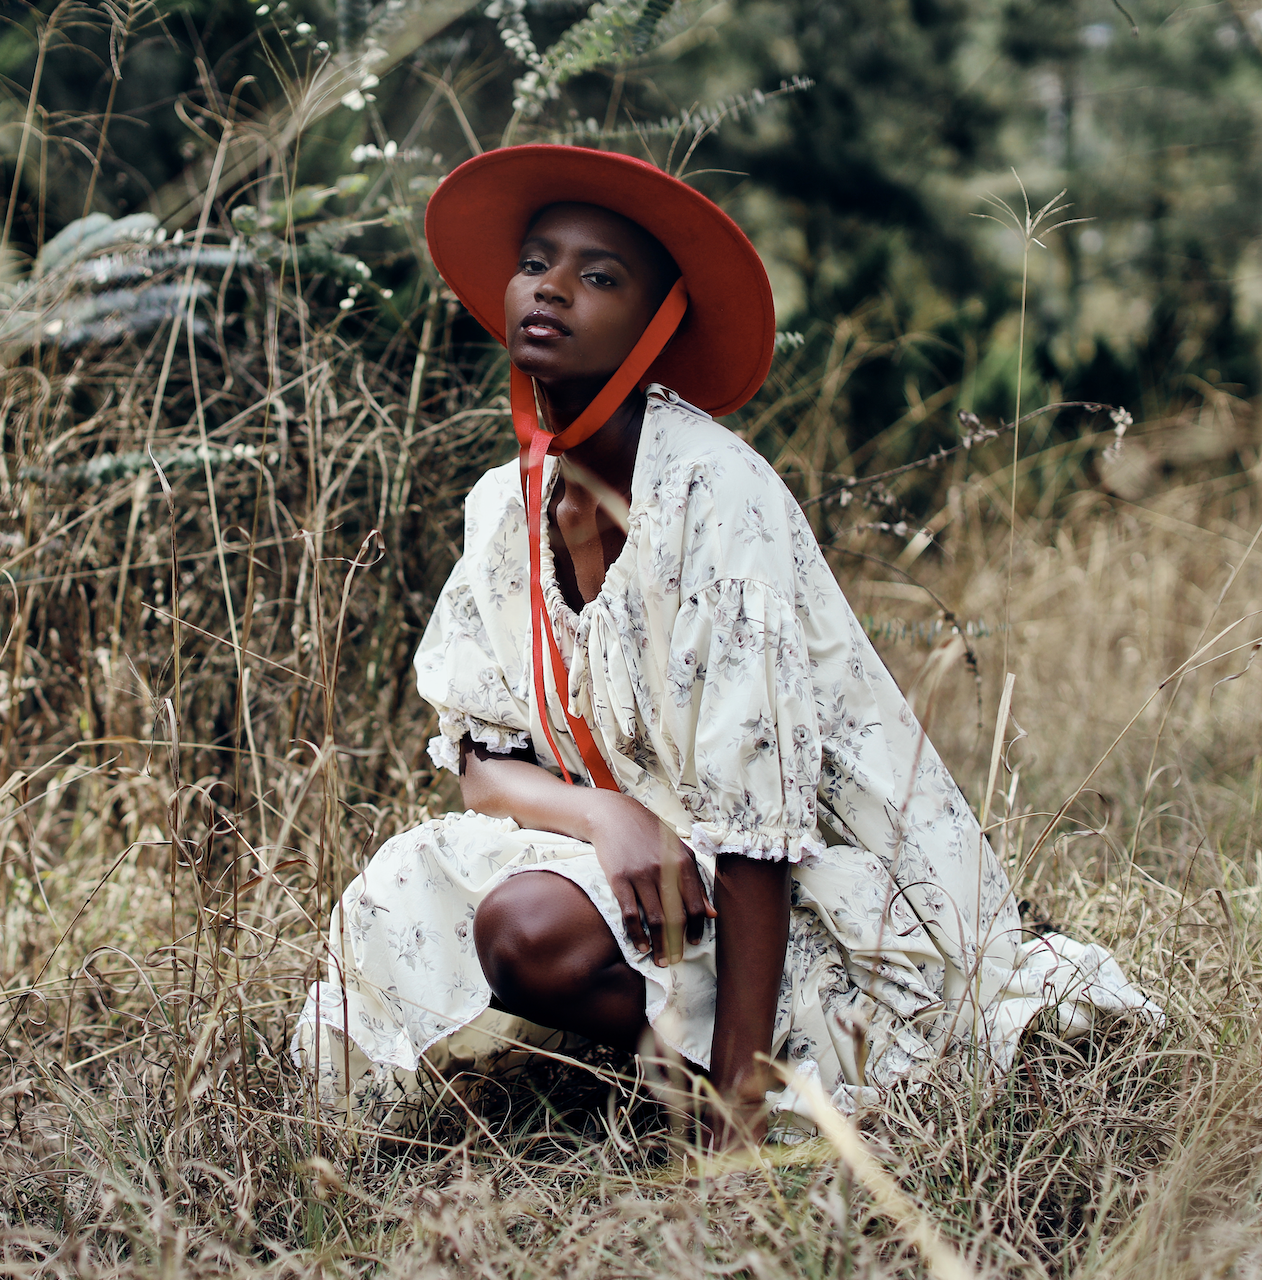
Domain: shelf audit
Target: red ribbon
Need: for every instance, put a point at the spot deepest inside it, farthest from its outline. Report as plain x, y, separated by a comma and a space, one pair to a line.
536, 443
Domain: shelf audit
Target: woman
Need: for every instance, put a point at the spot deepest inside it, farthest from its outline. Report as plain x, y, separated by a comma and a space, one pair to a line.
771, 859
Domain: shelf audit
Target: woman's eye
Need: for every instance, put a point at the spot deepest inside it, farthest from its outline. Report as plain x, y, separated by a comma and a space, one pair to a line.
601, 278
532, 266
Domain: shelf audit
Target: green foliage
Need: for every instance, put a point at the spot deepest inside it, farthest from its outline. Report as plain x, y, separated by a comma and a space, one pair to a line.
102, 280
301, 205
859, 194
292, 235
647, 23
611, 33
863, 189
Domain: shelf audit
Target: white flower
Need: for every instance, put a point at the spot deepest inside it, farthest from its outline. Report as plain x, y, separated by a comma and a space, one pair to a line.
354, 100
1121, 420
303, 28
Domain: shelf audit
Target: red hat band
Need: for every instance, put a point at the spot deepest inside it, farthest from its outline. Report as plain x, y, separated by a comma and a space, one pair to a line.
719, 312
536, 444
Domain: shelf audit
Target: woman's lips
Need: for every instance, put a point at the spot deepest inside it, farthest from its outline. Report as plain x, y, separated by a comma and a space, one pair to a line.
542, 324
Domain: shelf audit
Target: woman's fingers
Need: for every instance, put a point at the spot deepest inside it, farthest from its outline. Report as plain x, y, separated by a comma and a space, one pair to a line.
660, 894
697, 906
654, 911
675, 905
630, 908
648, 892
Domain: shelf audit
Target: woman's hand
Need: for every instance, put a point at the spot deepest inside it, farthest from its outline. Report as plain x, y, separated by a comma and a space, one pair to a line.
652, 873
738, 1118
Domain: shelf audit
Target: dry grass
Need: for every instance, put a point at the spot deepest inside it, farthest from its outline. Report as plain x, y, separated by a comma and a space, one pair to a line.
180, 810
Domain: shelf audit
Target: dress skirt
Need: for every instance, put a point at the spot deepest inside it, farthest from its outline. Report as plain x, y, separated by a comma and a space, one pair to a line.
867, 998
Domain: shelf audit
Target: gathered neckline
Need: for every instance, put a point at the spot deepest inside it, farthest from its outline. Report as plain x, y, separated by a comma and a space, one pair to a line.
559, 608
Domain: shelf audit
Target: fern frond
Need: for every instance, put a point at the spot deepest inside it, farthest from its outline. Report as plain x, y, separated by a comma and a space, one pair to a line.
605, 35
108, 467
652, 13
695, 120
925, 632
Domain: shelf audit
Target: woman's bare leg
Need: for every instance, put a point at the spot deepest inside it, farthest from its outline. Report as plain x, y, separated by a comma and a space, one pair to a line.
548, 956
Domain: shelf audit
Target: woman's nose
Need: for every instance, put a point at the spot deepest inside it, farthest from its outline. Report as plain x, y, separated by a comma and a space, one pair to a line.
550, 287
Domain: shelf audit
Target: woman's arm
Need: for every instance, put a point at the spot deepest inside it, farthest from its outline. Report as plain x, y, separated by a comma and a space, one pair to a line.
651, 871
643, 860
752, 900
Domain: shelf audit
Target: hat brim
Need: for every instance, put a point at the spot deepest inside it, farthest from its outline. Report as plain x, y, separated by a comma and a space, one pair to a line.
477, 219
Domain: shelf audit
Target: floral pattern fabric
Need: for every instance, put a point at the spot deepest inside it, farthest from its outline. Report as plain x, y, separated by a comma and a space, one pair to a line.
733, 692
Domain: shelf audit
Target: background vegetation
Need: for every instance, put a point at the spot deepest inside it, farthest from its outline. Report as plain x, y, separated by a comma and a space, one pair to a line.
239, 414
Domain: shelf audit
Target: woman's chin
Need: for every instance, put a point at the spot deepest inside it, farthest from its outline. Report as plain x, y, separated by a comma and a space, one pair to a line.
537, 359
551, 373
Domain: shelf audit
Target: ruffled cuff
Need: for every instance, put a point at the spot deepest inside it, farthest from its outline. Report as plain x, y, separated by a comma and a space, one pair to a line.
455, 726
800, 848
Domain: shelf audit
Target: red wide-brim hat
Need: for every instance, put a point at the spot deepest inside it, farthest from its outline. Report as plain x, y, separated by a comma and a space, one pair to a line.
478, 216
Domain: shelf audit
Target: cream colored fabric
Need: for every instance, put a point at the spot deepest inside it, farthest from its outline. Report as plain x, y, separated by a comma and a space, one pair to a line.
733, 692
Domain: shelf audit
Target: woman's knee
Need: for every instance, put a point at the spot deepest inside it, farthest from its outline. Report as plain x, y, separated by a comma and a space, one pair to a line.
539, 936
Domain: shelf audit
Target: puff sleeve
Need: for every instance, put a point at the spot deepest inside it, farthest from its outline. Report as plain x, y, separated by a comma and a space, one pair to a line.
697, 674
739, 706
471, 663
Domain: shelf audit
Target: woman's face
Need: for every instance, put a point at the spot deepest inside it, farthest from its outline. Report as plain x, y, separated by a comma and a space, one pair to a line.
586, 286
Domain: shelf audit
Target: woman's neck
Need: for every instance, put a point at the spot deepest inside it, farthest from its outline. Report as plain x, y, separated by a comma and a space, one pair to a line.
608, 453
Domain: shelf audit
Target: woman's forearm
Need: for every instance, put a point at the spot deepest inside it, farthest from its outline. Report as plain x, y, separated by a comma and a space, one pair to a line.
504, 786
652, 874
752, 901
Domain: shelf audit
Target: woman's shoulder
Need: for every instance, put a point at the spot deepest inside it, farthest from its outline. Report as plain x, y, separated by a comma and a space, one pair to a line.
708, 499
495, 490
682, 444
497, 485
494, 502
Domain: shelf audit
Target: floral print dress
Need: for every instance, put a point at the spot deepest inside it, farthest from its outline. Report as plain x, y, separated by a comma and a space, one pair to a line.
732, 692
